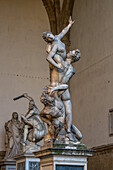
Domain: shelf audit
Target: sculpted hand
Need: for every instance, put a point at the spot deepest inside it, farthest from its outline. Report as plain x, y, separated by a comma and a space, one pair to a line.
51, 90
25, 95
65, 65
70, 21
61, 68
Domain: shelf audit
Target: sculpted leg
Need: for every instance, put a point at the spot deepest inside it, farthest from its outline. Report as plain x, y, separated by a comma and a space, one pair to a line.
25, 132
76, 132
44, 118
11, 142
68, 110
10, 146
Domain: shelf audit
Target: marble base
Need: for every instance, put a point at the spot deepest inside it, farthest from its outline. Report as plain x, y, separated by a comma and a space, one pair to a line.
8, 165
63, 156
63, 163
27, 161
30, 147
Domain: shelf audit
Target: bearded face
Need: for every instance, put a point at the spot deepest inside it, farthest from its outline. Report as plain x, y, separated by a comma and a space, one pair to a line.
74, 55
46, 99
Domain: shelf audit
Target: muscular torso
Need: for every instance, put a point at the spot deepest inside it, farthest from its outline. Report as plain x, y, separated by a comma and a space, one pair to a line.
61, 76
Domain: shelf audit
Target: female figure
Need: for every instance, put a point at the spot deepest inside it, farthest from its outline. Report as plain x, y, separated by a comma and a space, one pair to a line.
14, 129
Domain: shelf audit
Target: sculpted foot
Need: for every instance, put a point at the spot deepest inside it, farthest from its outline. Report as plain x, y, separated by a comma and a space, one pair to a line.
70, 137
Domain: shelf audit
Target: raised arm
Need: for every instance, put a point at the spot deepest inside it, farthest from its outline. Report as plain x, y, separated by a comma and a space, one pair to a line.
28, 97
66, 29
31, 101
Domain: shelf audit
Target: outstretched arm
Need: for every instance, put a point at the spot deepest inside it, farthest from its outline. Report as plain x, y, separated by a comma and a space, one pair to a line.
66, 29
60, 88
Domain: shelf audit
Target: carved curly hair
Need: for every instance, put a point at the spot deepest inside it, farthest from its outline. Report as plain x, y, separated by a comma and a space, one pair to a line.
45, 37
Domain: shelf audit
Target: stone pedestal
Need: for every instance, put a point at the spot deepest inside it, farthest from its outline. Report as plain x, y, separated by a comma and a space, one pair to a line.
8, 165
63, 156
27, 161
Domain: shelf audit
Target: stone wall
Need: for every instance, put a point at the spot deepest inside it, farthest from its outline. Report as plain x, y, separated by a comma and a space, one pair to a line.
23, 66
102, 158
92, 85
2, 154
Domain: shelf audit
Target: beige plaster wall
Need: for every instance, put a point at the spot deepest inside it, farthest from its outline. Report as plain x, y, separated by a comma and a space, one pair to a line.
92, 86
23, 66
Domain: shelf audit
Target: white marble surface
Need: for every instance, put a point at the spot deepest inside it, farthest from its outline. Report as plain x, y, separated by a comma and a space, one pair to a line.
48, 163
